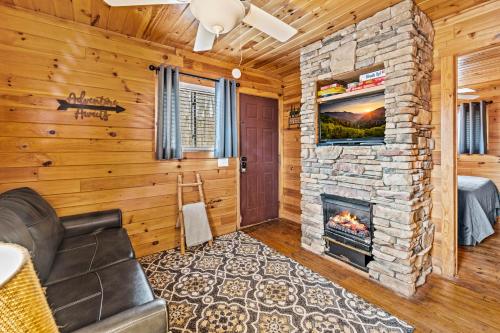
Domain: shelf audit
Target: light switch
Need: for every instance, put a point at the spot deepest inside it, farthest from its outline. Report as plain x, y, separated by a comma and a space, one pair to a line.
223, 162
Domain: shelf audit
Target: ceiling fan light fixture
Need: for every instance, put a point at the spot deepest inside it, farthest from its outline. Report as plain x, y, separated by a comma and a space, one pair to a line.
218, 29
218, 17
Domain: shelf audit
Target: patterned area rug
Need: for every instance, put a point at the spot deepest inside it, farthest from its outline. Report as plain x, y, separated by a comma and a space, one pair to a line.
241, 285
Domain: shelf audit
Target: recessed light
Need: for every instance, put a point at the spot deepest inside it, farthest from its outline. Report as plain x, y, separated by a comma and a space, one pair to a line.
466, 97
465, 90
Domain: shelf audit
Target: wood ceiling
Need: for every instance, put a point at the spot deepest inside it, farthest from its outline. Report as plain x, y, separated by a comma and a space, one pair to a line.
479, 68
174, 25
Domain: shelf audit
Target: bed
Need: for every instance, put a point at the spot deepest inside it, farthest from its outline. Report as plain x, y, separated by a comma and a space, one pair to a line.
478, 207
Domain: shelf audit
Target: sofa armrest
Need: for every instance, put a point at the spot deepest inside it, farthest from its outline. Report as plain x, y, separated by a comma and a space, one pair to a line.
89, 222
151, 317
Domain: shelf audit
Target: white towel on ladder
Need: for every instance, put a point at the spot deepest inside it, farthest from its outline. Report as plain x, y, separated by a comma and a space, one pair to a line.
196, 224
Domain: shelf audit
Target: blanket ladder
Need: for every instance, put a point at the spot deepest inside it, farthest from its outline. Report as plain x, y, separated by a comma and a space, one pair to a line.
180, 187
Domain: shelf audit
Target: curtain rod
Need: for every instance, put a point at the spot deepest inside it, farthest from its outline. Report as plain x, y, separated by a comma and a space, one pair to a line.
486, 102
156, 69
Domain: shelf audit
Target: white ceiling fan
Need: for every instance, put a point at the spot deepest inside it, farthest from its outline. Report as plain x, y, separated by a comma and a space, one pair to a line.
219, 17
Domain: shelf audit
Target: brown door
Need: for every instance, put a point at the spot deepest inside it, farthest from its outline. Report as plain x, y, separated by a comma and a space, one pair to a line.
259, 145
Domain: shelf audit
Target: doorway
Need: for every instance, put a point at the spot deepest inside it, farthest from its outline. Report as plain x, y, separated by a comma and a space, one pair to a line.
259, 151
478, 170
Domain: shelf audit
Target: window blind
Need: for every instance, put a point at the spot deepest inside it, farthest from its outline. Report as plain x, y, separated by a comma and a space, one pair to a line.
197, 111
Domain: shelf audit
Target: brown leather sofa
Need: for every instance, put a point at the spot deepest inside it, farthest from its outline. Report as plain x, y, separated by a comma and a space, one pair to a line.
87, 264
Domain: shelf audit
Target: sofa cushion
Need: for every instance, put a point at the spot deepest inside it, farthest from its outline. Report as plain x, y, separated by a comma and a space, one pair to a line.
82, 254
87, 223
97, 295
13, 229
42, 223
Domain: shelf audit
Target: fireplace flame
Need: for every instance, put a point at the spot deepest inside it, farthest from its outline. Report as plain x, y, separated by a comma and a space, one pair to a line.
348, 221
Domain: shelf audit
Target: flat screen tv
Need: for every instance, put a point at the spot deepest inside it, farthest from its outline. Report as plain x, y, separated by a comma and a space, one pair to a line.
359, 120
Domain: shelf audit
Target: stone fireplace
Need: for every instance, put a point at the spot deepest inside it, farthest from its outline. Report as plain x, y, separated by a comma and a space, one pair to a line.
393, 178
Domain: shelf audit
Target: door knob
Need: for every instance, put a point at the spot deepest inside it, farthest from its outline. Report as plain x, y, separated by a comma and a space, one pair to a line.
243, 164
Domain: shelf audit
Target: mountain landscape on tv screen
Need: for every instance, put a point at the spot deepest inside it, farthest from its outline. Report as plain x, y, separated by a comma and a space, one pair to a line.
360, 120
352, 125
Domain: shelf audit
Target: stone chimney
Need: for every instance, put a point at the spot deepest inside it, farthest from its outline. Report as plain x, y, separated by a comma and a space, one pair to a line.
394, 177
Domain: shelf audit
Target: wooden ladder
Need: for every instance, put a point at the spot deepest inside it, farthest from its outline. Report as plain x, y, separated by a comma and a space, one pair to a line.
180, 187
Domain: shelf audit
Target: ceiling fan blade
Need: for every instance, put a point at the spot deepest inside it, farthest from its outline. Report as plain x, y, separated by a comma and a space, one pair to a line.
117, 3
269, 24
204, 39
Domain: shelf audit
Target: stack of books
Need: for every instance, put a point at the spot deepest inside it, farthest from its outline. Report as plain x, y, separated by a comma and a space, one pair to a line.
368, 80
332, 89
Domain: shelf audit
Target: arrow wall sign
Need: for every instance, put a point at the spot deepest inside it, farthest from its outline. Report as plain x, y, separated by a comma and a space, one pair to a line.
98, 107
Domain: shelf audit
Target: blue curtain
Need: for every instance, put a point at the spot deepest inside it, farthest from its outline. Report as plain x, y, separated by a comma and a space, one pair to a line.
226, 134
168, 136
472, 128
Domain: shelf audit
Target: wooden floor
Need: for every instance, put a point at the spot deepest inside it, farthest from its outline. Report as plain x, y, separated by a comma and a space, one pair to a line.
479, 266
471, 303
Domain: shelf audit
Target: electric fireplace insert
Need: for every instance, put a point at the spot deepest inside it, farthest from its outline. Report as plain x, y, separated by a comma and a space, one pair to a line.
348, 229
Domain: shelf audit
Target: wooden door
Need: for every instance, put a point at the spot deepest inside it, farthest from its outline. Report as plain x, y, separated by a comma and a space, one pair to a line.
259, 144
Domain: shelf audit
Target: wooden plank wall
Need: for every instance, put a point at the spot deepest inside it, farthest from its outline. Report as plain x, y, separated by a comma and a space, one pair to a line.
83, 165
290, 206
486, 165
462, 33
481, 71
176, 26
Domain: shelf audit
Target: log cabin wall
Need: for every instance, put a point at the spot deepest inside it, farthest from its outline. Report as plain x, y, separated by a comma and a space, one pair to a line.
468, 31
290, 205
44, 58
176, 26
481, 72
82, 165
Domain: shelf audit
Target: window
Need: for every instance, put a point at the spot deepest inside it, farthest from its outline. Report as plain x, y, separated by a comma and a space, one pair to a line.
187, 116
472, 128
197, 116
